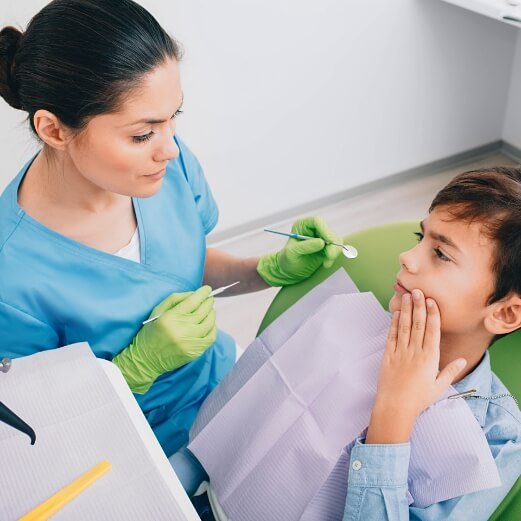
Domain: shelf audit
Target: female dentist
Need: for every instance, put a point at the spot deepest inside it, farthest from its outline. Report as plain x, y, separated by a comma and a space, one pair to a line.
105, 226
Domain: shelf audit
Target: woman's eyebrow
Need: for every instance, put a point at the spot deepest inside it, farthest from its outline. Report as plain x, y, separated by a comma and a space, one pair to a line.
439, 237
155, 121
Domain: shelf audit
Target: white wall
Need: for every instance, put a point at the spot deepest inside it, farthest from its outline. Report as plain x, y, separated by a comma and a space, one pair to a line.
512, 126
292, 100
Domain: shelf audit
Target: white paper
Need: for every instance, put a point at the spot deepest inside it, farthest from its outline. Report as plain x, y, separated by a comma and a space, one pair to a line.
82, 413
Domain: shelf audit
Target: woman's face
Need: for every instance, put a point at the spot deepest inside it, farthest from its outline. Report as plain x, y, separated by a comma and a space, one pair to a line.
127, 152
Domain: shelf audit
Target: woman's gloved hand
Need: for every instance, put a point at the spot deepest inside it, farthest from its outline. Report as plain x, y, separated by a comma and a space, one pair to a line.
182, 333
299, 259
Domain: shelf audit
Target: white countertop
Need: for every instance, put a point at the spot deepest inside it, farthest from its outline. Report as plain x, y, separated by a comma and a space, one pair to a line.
497, 9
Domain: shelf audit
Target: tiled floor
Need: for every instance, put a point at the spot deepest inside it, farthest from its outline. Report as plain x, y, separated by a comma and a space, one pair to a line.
240, 316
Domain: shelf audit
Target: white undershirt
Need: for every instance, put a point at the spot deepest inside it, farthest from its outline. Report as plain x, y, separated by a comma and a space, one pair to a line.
131, 250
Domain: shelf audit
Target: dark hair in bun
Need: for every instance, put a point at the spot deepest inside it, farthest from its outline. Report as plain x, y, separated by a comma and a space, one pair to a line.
81, 58
9, 42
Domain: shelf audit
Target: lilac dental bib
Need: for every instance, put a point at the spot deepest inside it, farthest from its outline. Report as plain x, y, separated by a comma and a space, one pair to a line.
275, 436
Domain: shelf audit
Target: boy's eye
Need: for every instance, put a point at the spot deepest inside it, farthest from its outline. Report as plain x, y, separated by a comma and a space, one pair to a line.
146, 137
441, 255
437, 251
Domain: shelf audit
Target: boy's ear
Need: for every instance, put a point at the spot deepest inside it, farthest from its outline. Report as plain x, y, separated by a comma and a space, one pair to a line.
504, 316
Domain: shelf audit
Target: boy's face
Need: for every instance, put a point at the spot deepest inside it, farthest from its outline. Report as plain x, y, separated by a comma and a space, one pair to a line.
452, 264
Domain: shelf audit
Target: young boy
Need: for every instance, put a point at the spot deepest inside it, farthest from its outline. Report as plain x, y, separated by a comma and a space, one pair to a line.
457, 291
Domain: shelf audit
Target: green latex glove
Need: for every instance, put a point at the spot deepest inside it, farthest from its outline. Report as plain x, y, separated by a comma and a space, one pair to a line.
300, 259
182, 333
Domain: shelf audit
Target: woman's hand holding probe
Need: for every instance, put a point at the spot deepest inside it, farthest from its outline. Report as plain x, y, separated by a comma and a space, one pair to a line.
410, 379
300, 259
185, 329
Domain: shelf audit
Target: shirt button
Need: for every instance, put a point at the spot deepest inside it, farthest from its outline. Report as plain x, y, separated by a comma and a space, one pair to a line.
357, 465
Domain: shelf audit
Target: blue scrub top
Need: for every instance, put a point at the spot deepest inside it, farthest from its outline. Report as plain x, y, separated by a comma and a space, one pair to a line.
56, 291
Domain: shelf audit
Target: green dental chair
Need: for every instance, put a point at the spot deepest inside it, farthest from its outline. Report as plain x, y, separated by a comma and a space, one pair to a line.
375, 270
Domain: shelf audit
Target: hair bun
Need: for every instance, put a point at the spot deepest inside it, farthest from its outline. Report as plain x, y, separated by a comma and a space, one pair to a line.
9, 43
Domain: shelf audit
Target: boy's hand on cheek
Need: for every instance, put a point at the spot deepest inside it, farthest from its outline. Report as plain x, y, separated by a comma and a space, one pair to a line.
409, 381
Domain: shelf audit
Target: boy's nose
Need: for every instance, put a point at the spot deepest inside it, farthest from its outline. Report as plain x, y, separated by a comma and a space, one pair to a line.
408, 261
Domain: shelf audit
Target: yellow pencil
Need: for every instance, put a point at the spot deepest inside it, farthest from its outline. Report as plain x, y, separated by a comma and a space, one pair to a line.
66, 494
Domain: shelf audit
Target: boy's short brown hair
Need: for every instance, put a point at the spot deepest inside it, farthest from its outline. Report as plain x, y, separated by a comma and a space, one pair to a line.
491, 196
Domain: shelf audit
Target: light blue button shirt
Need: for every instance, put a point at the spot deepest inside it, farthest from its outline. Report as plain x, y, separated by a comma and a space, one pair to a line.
377, 482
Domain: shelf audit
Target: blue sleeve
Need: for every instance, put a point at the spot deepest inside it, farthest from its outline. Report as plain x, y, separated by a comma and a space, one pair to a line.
206, 205
377, 482
22, 335
377, 486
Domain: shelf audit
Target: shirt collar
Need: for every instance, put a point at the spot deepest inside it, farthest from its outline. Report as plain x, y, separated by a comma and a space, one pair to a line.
481, 380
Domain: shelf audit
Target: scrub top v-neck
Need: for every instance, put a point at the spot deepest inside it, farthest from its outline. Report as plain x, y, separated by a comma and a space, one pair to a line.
55, 291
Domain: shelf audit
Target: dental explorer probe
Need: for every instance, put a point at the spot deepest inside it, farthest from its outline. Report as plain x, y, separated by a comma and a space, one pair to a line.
215, 292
